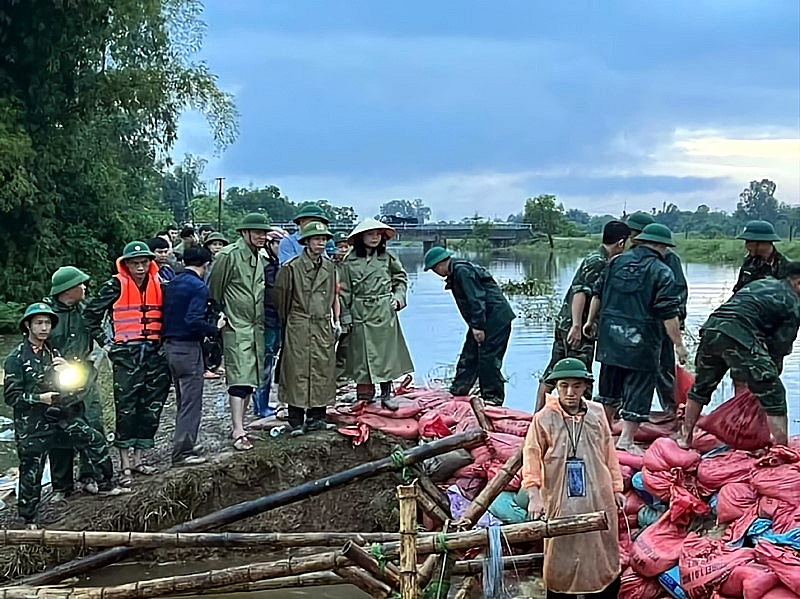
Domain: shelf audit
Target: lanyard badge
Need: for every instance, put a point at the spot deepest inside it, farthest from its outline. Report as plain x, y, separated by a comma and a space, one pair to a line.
575, 467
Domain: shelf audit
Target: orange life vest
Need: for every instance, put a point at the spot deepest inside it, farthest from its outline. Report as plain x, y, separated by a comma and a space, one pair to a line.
137, 314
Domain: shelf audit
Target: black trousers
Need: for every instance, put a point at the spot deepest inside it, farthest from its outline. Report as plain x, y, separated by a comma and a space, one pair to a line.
610, 592
483, 363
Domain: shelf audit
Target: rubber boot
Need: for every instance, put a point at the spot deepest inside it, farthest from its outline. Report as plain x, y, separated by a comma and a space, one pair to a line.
387, 401
365, 392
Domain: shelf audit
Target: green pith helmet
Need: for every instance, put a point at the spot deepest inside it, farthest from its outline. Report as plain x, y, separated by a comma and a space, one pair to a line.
33, 310
372, 224
137, 249
639, 220
435, 255
315, 228
339, 238
758, 230
311, 211
215, 237
569, 368
656, 233
255, 221
65, 278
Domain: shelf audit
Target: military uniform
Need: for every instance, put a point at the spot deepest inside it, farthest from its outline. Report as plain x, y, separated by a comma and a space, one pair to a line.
743, 335
484, 307
39, 426
638, 294
584, 281
755, 268
665, 385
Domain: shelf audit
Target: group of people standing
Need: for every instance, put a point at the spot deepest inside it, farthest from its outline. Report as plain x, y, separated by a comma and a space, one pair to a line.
626, 308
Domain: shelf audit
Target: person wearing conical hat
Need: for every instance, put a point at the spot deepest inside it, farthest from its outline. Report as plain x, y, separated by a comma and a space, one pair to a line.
637, 301
373, 290
291, 247
35, 386
132, 302
308, 307
70, 336
489, 316
237, 289
570, 467
762, 260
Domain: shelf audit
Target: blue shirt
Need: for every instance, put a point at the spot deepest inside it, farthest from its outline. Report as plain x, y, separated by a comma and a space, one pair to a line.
290, 247
186, 309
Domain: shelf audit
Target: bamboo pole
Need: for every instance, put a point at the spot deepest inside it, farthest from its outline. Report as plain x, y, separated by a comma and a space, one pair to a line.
489, 493
140, 540
480, 413
430, 507
438, 586
407, 498
427, 485
512, 533
361, 579
468, 589
387, 573
475, 566
247, 509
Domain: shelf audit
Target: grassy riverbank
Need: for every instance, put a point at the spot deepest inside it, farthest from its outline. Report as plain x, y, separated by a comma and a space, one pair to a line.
726, 251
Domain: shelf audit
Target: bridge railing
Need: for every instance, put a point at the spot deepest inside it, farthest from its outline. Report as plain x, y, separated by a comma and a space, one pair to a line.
432, 226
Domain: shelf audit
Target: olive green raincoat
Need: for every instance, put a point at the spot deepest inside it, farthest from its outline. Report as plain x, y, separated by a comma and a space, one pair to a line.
376, 351
237, 286
304, 296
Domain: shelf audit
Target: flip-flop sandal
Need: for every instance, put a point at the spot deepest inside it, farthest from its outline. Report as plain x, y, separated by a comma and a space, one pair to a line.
242, 443
145, 469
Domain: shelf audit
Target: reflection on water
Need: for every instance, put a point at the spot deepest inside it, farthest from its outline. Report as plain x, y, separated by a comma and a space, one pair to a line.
435, 331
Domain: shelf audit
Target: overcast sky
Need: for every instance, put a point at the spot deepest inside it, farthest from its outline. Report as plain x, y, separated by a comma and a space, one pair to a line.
474, 106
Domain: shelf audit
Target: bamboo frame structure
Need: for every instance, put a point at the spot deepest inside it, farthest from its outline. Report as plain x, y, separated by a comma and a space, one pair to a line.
364, 581
388, 573
247, 509
478, 407
489, 493
469, 588
407, 498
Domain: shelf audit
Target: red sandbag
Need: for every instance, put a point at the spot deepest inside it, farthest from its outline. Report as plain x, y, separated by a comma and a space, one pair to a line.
659, 483
406, 409
784, 561
469, 487
750, 581
634, 586
633, 503
627, 474
781, 482
628, 459
728, 467
705, 442
733, 500
433, 427
778, 455
624, 549
739, 422
405, 428
502, 413
647, 431
683, 382
706, 563
786, 518
471, 471
684, 505
665, 454
503, 446
658, 548
739, 528
451, 413
767, 506
493, 468
518, 428
780, 592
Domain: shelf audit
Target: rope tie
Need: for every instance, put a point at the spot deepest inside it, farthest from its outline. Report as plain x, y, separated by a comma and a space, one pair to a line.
376, 551
399, 461
440, 543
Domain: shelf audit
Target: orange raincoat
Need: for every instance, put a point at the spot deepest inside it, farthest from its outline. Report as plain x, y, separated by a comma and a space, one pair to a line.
587, 562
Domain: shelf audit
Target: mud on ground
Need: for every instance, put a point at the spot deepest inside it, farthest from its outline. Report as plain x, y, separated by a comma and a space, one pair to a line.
178, 494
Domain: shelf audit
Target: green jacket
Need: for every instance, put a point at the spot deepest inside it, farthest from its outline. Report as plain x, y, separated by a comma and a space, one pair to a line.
673, 260
755, 268
236, 285
637, 294
304, 294
71, 335
28, 374
376, 349
584, 281
478, 296
765, 312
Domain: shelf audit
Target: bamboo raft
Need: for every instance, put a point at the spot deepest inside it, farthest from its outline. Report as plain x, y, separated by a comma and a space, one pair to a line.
383, 565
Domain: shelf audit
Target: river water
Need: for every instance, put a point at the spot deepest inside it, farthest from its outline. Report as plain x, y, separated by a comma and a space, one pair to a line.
435, 331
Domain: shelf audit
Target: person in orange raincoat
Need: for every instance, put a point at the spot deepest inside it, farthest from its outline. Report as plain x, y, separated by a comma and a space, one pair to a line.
570, 467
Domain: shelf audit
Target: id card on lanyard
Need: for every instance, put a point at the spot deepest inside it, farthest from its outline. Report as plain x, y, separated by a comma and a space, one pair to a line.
575, 478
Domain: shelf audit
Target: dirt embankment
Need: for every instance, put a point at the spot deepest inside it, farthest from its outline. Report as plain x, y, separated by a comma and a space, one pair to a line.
179, 494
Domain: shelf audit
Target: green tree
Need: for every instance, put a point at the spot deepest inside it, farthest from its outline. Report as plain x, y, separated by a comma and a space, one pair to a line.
267, 199
181, 185
544, 214
757, 201
407, 209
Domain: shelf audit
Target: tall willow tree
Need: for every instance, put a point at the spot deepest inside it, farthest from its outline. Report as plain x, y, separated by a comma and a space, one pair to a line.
90, 95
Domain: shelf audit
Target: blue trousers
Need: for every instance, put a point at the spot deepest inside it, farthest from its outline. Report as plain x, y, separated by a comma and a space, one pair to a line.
272, 345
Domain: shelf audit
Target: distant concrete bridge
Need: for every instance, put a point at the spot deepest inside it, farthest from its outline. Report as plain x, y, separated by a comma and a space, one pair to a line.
499, 234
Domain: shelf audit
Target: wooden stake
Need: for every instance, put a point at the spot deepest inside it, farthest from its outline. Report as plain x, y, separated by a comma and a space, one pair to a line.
489, 493
387, 573
512, 533
469, 588
247, 509
430, 507
407, 497
475, 566
358, 578
479, 408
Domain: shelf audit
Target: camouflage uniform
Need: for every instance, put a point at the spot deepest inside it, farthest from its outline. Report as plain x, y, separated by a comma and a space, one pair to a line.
71, 338
141, 375
744, 335
38, 426
584, 281
665, 386
755, 268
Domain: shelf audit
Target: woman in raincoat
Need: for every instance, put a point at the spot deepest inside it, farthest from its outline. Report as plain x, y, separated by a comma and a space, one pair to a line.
373, 291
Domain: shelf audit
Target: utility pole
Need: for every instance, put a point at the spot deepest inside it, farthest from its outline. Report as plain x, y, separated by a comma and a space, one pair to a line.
219, 204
